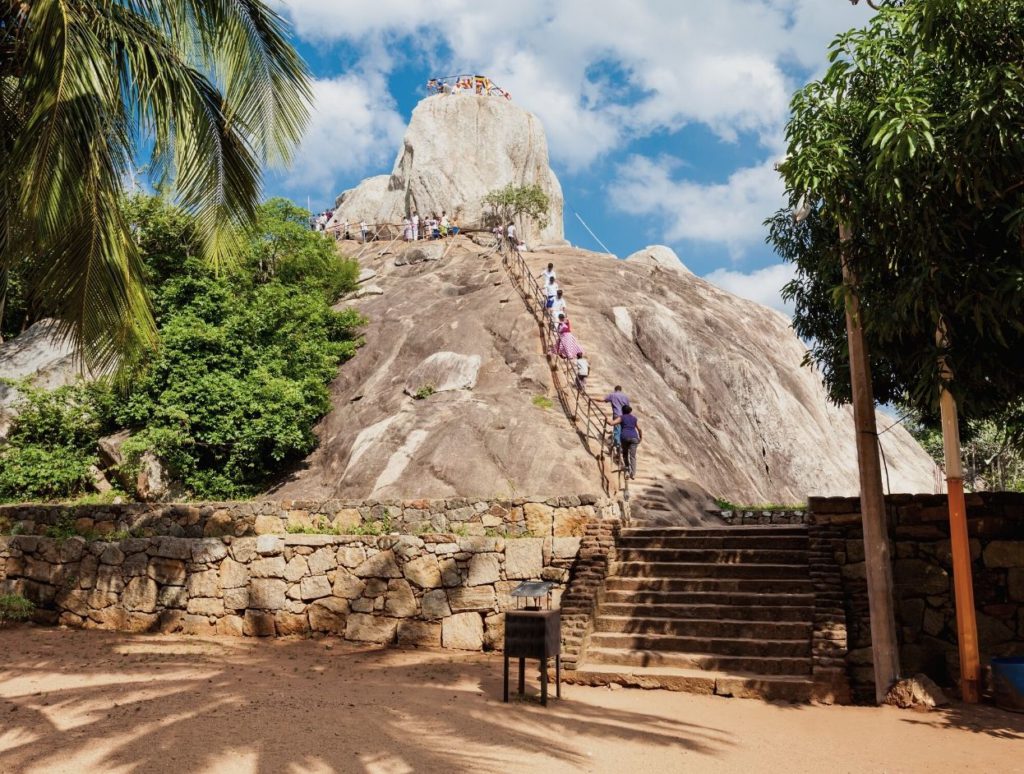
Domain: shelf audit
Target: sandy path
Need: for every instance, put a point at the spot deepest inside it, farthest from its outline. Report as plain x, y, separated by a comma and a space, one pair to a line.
73, 701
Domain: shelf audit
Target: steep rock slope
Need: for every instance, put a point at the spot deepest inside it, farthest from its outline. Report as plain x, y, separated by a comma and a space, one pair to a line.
719, 384
716, 380
456, 150
456, 326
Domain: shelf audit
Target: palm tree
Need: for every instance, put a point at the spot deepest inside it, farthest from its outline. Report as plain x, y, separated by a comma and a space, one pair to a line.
209, 90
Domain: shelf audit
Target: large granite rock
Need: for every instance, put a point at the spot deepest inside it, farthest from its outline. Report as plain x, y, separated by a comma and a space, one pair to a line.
457, 149
41, 356
716, 380
659, 255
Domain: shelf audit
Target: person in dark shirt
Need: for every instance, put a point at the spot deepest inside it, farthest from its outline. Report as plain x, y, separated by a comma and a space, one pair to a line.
631, 437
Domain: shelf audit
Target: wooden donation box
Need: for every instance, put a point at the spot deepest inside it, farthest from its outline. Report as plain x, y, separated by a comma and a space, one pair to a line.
534, 632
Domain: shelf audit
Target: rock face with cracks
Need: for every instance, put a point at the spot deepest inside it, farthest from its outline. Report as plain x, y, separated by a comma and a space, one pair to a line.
716, 381
456, 150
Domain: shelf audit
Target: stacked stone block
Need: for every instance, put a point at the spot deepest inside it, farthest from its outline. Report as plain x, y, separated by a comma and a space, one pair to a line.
521, 516
436, 589
597, 552
922, 570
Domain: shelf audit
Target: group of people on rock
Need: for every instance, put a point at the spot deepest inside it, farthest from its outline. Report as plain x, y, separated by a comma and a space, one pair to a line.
415, 228
319, 222
625, 428
509, 234
466, 84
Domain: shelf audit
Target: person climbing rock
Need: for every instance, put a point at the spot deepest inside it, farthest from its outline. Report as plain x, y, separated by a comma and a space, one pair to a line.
557, 308
582, 371
415, 226
618, 399
513, 243
552, 291
631, 437
364, 230
567, 348
548, 274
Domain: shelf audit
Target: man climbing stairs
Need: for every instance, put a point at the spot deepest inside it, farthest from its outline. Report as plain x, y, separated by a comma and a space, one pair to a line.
724, 610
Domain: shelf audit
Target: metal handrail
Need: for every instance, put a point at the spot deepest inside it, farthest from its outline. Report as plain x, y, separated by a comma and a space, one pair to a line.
593, 423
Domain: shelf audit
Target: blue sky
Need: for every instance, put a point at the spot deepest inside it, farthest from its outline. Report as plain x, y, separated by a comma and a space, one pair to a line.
663, 117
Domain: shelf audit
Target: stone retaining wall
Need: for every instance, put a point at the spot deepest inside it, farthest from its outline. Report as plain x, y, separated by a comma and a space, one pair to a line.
922, 567
437, 590
530, 516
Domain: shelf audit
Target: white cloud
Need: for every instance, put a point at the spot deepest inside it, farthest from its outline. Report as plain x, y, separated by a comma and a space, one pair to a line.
354, 128
721, 64
730, 212
761, 285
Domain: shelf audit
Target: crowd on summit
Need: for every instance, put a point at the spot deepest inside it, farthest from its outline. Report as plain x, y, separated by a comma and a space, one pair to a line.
625, 428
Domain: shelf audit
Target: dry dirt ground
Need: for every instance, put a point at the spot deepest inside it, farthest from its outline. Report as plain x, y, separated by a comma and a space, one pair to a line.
74, 701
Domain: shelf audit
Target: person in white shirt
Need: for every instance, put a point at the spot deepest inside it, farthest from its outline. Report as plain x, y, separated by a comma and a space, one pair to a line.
551, 290
547, 274
557, 308
582, 371
511, 232
415, 226
364, 230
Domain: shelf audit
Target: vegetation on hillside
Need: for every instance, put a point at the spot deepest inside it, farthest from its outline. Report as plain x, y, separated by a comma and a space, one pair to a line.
230, 396
210, 90
512, 202
993, 458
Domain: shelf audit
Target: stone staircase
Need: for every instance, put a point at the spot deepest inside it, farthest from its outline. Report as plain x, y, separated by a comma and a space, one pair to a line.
723, 610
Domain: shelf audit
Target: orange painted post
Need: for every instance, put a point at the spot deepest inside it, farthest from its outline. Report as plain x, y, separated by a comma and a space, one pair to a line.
963, 583
877, 563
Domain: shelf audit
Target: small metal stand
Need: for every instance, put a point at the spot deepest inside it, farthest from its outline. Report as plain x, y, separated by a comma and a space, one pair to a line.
531, 632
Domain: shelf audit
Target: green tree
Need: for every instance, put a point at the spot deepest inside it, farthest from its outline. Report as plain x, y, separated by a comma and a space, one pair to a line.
512, 202
230, 397
915, 139
211, 89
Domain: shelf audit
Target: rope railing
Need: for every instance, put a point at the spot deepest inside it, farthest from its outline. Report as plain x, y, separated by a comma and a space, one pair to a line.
592, 421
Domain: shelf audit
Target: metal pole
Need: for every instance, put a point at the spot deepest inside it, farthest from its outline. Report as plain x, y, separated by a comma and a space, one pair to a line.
877, 562
963, 585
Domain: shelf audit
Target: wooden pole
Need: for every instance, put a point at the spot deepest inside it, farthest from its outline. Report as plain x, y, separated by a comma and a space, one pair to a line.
877, 563
963, 584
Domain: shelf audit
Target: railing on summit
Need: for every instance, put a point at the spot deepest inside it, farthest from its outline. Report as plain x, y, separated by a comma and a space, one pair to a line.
593, 424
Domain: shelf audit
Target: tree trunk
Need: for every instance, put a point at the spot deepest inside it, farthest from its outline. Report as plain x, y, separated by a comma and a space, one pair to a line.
877, 562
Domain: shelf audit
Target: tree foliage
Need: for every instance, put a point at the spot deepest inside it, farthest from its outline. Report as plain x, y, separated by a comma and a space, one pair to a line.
51, 444
229, 398
210, 89
915, 139
512, 202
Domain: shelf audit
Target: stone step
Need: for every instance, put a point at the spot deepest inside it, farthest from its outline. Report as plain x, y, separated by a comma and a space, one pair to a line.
715, 555
712, 599
707, 570
744, 542
733, 585
735, 684
711, 628
766, 530
628, 658
735, 612
719, 646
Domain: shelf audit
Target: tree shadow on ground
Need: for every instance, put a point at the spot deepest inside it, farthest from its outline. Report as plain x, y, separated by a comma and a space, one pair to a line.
979, 719
105, 701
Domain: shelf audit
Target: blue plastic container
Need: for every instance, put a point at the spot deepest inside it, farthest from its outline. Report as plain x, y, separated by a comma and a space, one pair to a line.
1008, 682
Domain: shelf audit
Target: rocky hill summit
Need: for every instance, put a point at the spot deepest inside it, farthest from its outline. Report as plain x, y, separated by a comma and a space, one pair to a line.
456, 150
452, 394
